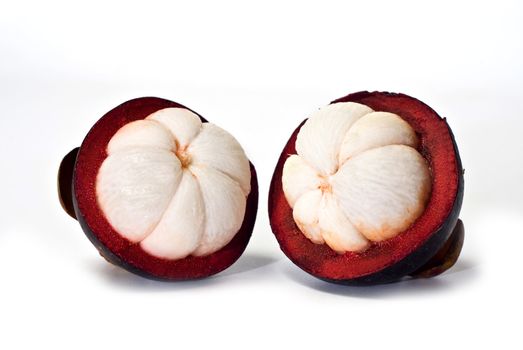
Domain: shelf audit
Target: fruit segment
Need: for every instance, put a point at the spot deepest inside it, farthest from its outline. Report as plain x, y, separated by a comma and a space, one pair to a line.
181, 227
142, 134
374, 130
319, 140
336, 229
298, 178
306, 215
183, 124
224, 208
216, 148
383, 190
134, 188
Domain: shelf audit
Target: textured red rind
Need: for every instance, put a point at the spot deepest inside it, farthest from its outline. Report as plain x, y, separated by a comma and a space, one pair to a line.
389, 260
116, 248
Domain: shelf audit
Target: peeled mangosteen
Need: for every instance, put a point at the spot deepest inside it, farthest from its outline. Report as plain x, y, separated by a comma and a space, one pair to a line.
160, 191
368, 190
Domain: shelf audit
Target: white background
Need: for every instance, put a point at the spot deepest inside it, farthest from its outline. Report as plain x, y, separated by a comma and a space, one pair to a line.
256, 69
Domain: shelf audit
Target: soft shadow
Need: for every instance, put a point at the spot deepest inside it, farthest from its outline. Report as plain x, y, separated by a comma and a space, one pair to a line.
464, 272
118, 277
248, 262
462, 265
121, 278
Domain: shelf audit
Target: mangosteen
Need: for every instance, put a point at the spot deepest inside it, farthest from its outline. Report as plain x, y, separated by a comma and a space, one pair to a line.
160, 191
368, 190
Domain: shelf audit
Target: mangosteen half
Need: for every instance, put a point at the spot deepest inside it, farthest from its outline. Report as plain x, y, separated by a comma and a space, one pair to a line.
160, 191
368, 190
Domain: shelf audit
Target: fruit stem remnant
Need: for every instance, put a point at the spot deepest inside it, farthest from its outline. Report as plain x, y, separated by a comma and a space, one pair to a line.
446, 257
65, 182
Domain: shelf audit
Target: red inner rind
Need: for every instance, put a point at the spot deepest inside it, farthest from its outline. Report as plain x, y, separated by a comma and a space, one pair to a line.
436, 146
93, 153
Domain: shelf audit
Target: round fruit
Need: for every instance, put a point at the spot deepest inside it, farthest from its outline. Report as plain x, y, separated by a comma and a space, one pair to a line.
160, 191
368, 189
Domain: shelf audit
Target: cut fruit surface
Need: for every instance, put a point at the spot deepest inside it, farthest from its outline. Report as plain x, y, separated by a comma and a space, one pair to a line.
367, 189
173, 183
375, 185
162, 192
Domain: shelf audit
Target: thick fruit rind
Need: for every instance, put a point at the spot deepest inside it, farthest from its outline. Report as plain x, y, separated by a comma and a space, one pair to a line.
118, 250
319, 260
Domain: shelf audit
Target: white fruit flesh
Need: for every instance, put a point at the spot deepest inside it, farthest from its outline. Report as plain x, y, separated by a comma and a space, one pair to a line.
357, 177
174, 185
